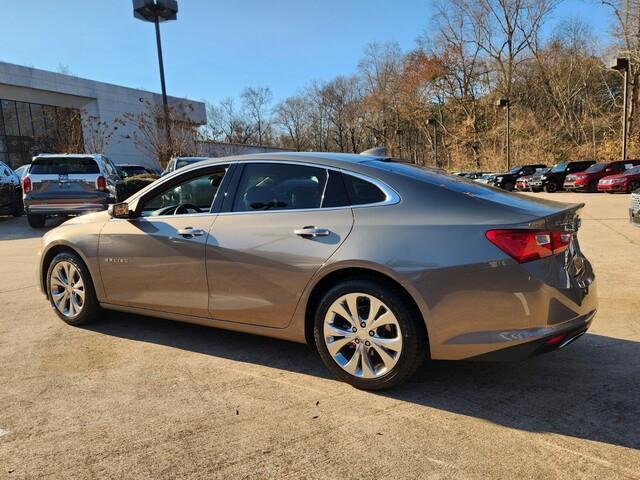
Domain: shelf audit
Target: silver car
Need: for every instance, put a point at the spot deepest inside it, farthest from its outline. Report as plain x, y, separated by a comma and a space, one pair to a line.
378, 263
68, 184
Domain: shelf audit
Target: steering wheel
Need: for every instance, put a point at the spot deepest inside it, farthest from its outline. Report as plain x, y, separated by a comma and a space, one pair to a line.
184, 208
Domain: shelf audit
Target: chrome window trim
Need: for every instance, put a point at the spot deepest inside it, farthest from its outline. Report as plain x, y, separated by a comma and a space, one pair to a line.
392, 197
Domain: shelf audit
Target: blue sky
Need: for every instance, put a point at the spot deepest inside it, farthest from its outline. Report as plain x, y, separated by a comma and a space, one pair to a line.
217, 47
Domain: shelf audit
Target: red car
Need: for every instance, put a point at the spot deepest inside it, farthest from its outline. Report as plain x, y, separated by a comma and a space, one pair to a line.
625, 182
587, 181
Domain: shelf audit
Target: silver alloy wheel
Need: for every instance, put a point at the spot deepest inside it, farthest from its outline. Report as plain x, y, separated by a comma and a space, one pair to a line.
67, 289
362, 335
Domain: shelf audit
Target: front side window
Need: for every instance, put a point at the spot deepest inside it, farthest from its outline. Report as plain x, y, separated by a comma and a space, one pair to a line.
279, 186
559, 167
192, 196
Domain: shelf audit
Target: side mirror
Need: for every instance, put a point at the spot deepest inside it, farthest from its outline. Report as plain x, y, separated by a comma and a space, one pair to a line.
119, 210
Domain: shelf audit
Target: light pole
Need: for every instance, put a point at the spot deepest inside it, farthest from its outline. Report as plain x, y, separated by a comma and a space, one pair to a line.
432, 122
157, 11
621, 64
506, 104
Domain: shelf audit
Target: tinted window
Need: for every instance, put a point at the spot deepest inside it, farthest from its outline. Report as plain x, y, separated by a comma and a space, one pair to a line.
598, 167
335, 194
559, 167
68, 165
132, 170
279, 186
194, 195
362, 192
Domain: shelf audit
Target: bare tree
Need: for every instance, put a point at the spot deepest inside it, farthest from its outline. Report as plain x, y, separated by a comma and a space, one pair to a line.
98, 133
293, 115
256, 102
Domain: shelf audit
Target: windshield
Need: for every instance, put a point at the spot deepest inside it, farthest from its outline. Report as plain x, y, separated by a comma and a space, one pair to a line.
515, 169
633, 171
559, 167
64, 165
131, 171
596, 167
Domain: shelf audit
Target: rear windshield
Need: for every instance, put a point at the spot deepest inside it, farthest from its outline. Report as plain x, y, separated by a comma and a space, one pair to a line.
596, 167
63, 165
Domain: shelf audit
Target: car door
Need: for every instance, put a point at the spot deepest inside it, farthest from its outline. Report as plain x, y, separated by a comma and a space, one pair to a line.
271, 237
6, 188
156, 260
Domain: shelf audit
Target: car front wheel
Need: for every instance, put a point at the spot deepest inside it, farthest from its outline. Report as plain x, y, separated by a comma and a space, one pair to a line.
633, 186
367, 334
71, 291
551, 187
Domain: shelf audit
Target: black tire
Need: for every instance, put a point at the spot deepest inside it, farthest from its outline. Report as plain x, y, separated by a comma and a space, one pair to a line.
551, 187
633, 185
35, 221
412, 330
91, 309
509, 186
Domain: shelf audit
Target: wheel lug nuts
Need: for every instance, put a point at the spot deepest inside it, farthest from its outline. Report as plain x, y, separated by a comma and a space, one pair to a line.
357, 340
362, 324
371, 333
354, 329
367, 343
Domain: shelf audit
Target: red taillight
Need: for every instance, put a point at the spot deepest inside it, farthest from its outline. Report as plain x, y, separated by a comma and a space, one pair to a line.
101, 183
527, 245
26, 185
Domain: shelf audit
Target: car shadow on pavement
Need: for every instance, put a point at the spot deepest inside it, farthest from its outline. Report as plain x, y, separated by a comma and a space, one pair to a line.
590, 390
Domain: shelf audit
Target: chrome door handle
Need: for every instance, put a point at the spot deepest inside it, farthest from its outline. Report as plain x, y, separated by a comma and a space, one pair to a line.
191, 232
312, 231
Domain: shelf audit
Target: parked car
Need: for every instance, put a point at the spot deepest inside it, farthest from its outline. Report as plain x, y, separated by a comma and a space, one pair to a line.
10, 192
535, 181
507, 181
625, 182
22, 170
486, 178
68, 184
553, 180
129, 170
634, 208
280, 244
180, 162
522, 184
587, 181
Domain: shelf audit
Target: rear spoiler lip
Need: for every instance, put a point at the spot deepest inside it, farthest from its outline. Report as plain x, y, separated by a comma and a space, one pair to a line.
565, 219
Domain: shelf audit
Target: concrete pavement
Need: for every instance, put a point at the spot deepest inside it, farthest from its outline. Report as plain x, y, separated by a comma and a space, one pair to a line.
134, 397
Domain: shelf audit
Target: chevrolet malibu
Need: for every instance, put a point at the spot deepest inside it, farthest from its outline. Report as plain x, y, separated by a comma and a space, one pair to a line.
377, 263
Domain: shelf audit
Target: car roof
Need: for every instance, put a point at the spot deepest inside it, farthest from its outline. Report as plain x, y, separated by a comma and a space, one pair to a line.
68, 155
321, 158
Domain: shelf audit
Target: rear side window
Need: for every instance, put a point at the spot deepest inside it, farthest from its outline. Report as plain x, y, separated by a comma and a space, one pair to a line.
63, 165
279, 186
362, 192
335, 193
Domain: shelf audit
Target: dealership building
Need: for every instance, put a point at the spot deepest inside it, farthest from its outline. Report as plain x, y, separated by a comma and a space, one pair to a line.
34, 104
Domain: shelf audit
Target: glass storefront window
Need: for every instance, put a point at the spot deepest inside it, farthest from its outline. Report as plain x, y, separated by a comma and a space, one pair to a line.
24, 119
10, 116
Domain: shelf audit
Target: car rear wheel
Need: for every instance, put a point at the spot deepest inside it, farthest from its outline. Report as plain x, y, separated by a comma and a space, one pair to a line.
551, 187
633, 186
71, 290
36, 221
368, 336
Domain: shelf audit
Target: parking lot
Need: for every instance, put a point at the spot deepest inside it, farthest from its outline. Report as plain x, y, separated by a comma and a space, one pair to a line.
135, 397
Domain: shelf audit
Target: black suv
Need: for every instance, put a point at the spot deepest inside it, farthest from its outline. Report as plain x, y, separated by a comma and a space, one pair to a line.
508, 180
554, 179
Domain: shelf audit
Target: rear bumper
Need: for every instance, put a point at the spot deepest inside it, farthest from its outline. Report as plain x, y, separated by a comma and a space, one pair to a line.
553, 338
71, 206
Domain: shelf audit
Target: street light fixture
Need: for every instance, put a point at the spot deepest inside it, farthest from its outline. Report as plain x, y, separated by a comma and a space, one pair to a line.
621, 64
157, 11
431, 121
506, 104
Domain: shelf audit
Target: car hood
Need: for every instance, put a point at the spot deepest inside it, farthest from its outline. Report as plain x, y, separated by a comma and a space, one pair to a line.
611, 177
96, 217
